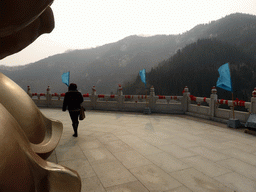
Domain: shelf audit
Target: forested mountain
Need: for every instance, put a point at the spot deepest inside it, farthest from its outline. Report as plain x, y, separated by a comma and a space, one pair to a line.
112, 64
196, 66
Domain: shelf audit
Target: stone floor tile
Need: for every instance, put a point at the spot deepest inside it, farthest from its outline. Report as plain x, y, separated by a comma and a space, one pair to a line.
97, 134
135, 186
241, 155
68, 142
117, 146
176, 151
93, 144
241, 146
67, 135
215, 146
98, 127
240, 167
121, 132
198, 182
158, 139
52, 158
206, 166
190, 137
113, 173
209, 154
107, 138
69, 153
82, 166
131, 140
131, 159
145, 148
244, 138
184, 143
154, 178
215, 137
98, 155
92, 184
167, 162
180, 189
237, 182
84, 134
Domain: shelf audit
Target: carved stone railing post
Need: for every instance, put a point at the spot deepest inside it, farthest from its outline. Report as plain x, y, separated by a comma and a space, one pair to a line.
120, 90
213, 102
253, 102
29, 91
185, 101
152, 100
48, 96
93, 97
120, 98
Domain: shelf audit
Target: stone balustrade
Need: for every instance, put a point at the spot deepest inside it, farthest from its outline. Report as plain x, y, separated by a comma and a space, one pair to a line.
186, 104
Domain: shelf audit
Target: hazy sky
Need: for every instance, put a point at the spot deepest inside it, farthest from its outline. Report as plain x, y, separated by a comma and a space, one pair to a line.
81, 24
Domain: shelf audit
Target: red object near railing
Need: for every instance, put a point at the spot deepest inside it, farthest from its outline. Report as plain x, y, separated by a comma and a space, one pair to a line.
142, 97
241, 103
34, 94
55, 94
42, 94
101, 96
192, 97
86, 95
128, 96
204, 99
236, 102
175, 97
161, 97
62, 94
112, 96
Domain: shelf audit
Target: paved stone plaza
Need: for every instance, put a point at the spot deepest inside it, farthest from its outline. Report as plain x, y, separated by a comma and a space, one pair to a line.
172, 153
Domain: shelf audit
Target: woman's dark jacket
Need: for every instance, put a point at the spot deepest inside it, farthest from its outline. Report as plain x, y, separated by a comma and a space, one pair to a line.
72, 100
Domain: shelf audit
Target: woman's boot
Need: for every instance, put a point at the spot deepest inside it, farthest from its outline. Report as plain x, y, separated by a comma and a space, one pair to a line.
75, 126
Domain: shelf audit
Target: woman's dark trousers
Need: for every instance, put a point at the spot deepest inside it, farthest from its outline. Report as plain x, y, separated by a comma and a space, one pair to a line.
74, 117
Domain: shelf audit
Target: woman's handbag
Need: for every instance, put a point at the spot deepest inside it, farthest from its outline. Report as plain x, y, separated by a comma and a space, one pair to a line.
82, 114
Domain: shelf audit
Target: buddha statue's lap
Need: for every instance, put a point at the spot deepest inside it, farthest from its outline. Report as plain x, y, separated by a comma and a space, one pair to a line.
25, 132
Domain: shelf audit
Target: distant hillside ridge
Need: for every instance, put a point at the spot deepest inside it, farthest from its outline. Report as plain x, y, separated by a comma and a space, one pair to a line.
115, 63
196, 66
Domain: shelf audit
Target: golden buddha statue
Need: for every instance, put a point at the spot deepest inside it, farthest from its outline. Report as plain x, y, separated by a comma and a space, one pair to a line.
27, 137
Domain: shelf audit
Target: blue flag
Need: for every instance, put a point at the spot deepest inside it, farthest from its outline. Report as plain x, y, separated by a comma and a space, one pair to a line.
65, 78
143, 76
224, 80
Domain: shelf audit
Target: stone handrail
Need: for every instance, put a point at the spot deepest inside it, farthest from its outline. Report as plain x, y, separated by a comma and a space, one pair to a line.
186, 104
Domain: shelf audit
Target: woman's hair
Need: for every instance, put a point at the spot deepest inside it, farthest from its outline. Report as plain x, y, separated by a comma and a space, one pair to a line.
72, 87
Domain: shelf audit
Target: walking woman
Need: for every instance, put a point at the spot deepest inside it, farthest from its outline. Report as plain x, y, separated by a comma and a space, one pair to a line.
73, 100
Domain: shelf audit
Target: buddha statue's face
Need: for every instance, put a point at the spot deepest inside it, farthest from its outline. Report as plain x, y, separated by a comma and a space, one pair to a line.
22, 22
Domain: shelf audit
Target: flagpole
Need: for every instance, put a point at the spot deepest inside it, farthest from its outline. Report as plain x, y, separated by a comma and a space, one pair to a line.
146, 93
233, 106
69, 77
232, 92
146, 99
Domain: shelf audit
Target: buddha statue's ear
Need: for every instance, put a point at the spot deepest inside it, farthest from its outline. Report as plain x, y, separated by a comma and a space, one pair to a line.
17, 14
22, 22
